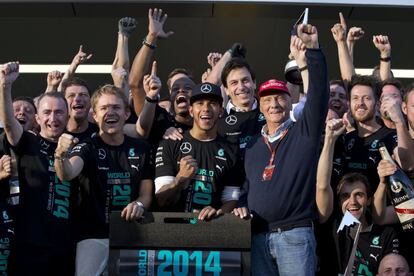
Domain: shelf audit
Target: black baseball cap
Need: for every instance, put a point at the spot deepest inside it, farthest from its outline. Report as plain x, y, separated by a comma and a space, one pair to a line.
206, 90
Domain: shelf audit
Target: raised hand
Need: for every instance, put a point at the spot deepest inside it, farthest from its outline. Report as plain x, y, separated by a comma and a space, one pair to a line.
391, 108
156, 24
81, 57
238, 50
54, 78
65, 143
334, 128
213, 58
9, 73
310, 37
152, 83
382, 43
119, 76
355, 34
339, 29
126, 26
297, 50
5, 166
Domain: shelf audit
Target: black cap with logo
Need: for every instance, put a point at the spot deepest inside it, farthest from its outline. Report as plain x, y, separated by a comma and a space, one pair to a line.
206, 90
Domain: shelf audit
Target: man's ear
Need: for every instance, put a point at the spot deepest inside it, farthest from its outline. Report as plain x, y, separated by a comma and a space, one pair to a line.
190, 110
404, 107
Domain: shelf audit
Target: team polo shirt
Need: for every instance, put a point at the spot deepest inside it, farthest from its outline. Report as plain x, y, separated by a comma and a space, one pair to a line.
109, 181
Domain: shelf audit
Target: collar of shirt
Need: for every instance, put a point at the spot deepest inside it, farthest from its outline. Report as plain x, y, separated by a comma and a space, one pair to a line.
278, 133
230, 106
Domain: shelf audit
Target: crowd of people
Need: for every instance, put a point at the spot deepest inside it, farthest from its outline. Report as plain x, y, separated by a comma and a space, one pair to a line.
292, 158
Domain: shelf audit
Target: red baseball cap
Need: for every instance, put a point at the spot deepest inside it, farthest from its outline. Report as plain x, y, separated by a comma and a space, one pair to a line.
272, 87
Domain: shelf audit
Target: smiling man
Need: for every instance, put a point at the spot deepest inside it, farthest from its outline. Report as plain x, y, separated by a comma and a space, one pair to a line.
353, 194
76, 92
205, 178
242, 119
114, 172
338, 99
44, 243
279, 189
358, 150
24, 111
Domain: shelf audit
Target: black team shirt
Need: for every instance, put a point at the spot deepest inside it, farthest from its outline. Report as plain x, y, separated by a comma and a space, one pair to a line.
45, 213
110, 180
92, 128
218, 166
361, 154
240, 127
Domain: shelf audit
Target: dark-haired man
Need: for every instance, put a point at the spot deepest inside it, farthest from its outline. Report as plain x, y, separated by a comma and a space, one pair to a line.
78, 96
391, 94
353, 194
338, 99
44, 244
242, 119
206, 176
358, 150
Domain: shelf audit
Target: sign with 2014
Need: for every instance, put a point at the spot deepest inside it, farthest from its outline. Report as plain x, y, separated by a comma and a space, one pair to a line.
179, 262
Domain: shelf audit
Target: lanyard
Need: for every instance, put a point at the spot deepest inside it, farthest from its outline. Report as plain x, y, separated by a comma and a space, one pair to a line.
273, 151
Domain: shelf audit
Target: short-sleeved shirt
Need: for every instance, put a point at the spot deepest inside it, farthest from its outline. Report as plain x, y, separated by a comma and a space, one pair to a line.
45, 212
218, 166
109, 181
361, 154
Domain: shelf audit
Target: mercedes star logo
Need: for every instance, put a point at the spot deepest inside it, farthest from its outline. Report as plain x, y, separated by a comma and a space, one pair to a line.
101, 154
185, 147
206, 88
231, 120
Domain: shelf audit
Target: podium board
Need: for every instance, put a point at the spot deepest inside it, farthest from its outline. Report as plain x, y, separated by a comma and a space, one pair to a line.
179, 244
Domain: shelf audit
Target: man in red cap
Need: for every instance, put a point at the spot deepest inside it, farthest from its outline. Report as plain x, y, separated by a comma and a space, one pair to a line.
280, 166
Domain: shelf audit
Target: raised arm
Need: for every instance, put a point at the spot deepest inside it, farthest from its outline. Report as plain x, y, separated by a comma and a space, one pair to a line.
298, 49
53, 80
237, 50
120, 66
345, 61
354, 34
13, 129
79, 58
403, 153
381, 213
382, 43
67, 168
324, 193
141, 63
152, 87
